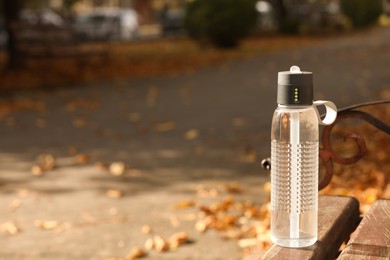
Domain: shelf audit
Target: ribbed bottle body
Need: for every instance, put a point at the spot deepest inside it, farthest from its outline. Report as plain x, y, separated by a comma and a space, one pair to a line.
294, 176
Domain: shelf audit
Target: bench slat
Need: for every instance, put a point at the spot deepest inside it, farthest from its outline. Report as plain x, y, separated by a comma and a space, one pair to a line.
337, 217
371, 240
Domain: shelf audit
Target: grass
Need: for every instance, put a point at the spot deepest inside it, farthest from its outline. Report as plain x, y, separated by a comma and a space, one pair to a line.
137, 59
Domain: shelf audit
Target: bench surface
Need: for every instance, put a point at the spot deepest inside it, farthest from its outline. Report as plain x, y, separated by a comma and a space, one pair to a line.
371, 240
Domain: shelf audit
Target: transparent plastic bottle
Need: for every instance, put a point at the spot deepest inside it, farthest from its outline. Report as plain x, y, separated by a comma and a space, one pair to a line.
294, 159
294, 176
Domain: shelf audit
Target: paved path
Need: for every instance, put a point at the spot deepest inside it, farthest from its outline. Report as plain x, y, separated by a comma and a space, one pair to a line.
226, 114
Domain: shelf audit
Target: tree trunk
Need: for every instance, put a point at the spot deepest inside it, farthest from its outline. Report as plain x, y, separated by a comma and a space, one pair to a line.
281, 11
11, 10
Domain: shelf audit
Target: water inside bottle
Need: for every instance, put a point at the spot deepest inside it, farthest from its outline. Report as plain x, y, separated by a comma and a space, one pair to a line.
306, 192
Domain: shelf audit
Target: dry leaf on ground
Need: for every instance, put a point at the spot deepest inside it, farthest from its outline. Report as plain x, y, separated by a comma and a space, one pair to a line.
165, 126
82, 158
9, 227
191, 134
184, 204
114, 193
46, 224
177, 240
146, 229
160, 244
117, 168
136, 253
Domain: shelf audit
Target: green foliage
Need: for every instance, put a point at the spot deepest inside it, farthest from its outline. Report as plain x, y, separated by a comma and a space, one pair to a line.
362, 12
222, 23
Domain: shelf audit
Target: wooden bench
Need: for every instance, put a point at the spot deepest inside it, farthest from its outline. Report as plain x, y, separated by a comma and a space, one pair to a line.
338, 217
45, 41
371, 240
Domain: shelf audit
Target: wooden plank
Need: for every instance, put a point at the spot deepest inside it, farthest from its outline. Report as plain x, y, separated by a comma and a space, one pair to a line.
371, 240
337, 217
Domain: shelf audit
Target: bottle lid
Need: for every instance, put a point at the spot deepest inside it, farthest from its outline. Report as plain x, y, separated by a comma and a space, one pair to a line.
295, 87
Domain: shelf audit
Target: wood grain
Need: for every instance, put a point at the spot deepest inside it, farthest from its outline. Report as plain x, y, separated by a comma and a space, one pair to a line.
371, 240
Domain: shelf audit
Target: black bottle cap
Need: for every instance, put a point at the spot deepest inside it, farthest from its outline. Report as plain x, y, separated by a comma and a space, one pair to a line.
295, 87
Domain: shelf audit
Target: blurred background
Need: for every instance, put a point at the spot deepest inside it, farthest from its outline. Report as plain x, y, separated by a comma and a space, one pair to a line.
135, 128
98, 34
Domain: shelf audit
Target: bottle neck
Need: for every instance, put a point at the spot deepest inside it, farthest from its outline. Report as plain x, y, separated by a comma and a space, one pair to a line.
294, 106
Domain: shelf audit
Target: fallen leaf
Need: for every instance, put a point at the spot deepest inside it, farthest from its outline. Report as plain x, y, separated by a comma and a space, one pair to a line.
160, 244
136, 253
9, 227
267, 187
178, 239
204, 192
101, 166
46, 224
165, 126
146, 229
46, 161
201, 226
149, 244
191, 134
233, 188
184, 204
232, 234
247, 242
37, 170
114, 193
82, 158
117, 168
134, 117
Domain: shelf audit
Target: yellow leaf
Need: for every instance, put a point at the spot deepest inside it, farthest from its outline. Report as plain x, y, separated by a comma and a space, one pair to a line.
184, 204
191, 134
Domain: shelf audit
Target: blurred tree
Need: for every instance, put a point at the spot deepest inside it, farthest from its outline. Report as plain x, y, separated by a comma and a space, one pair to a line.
362, 12
11, 10
281, 11
222, 23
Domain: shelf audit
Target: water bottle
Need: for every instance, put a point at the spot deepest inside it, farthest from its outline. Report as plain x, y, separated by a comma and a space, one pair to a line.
294, 159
